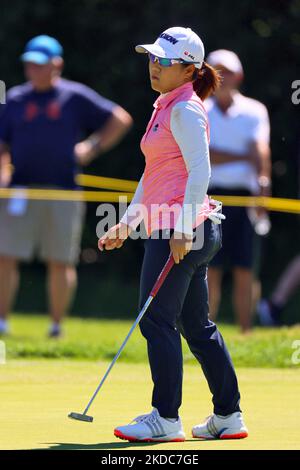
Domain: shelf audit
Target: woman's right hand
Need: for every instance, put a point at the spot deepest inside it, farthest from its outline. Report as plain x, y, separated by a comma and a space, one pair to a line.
114, 237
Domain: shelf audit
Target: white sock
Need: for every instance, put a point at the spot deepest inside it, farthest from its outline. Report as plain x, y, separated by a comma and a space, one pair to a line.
173, 420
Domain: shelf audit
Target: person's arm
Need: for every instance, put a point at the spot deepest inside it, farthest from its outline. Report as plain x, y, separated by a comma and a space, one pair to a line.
259, 148
133, 216
261, 153
188, 126
3, 152
100, 141
5, 137
5, 167
116, 235
218, 157
103, 120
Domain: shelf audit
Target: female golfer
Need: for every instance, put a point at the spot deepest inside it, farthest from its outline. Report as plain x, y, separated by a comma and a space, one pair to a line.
178, 218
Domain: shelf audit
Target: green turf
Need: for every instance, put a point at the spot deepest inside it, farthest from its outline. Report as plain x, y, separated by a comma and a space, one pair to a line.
100, 339
37, 395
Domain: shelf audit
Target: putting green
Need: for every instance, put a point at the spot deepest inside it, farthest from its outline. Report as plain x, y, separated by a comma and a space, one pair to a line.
36, 397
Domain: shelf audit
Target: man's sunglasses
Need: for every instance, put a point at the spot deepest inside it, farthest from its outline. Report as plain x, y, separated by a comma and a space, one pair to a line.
167, 62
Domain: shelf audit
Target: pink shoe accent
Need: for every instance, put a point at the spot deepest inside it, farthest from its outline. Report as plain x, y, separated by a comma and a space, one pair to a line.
120, 435
240, 435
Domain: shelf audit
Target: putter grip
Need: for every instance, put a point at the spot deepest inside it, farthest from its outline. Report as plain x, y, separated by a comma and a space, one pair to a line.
165, 271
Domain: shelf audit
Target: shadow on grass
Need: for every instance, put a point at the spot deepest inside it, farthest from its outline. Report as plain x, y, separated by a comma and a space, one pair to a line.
102, 445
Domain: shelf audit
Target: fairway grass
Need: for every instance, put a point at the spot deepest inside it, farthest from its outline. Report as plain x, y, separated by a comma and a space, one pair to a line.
37, 395
100, 339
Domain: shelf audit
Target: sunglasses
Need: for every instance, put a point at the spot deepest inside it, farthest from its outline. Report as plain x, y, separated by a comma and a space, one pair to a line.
167, 62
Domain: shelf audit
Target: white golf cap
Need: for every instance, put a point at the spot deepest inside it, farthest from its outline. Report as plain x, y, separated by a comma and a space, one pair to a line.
176, 43
228, 59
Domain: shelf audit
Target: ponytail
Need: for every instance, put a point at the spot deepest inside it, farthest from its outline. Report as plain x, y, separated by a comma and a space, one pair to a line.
206, 80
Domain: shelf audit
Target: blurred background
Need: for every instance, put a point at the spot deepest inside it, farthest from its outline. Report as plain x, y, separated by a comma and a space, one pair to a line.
98, 37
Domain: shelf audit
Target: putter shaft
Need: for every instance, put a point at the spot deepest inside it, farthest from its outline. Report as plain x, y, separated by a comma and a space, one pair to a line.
148, 302
163, 274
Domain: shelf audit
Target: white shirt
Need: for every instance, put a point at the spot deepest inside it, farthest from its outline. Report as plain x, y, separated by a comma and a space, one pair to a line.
188, 126
245, 121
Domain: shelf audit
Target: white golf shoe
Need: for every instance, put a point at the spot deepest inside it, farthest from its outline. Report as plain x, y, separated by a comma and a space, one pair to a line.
221, 427
151, 427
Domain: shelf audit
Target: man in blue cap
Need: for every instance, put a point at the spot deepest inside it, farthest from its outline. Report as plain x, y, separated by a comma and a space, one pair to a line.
49, 126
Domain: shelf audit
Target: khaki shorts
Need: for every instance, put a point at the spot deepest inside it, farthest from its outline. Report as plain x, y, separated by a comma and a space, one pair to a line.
50, 230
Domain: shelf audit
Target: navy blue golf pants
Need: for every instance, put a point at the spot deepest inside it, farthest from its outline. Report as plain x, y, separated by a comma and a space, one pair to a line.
181, 307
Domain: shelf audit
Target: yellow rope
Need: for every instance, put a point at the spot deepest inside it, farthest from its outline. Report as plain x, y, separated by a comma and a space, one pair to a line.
126, 188
102, 182
63, 195
270, 203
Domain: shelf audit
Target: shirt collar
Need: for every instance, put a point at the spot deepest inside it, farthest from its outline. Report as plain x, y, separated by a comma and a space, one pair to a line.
165, 98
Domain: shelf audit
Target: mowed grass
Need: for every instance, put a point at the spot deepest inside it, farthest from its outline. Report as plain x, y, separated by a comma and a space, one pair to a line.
43, 380
91, 339
37, 395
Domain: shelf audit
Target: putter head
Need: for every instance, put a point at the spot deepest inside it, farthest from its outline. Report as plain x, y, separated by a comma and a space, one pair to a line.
81, 417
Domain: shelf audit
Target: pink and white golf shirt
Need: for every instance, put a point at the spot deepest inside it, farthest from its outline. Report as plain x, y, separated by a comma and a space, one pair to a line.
173, 187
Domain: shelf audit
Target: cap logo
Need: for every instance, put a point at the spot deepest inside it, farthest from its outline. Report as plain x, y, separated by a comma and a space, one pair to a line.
169, 38
189, 55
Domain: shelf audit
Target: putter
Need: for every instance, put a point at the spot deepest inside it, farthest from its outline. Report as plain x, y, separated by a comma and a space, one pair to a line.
167, 267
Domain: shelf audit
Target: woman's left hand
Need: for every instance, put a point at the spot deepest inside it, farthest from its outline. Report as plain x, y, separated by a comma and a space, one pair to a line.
180, 245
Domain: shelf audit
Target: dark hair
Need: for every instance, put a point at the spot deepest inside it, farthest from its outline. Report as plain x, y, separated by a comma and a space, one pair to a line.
206, 80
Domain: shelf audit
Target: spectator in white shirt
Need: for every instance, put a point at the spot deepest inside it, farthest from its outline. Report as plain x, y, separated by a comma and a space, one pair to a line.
240, 159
